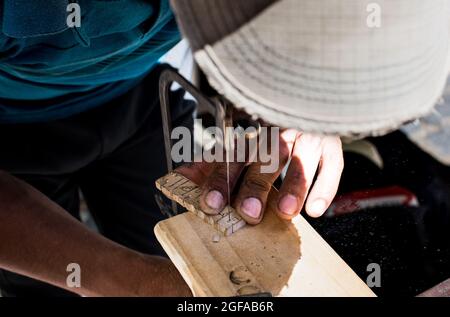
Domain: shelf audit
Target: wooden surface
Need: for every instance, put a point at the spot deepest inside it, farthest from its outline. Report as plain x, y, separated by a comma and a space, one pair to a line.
283, 258
180, 189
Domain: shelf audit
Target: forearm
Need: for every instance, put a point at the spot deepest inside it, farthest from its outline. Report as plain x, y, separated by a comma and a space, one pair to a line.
39, 239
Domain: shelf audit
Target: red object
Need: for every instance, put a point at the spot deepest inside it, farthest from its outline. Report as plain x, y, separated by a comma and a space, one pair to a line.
372, 198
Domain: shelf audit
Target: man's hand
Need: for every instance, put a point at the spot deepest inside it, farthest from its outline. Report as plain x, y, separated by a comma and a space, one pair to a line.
39, 239
309, 155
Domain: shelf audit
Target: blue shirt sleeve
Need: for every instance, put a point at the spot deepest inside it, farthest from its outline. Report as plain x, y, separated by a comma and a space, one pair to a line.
48, 75
3, 46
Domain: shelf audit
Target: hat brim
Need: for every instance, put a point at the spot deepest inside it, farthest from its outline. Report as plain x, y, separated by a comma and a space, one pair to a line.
317, 66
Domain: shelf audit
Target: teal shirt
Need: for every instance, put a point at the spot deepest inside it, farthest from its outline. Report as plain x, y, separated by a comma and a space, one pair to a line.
49, 71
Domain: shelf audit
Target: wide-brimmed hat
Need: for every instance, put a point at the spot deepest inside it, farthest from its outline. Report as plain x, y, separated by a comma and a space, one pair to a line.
347, 67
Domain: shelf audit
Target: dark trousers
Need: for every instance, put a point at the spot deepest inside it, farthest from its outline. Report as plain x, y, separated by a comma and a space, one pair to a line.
113, 154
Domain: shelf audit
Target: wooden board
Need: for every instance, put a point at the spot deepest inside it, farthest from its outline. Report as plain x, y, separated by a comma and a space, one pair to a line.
280, 257
180, 189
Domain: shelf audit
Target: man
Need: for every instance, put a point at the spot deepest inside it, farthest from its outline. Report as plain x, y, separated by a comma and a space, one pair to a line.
352, 68
79, 110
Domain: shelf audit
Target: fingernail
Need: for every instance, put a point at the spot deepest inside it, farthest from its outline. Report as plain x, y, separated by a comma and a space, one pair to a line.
288, 204
251, 207
318, 207
214, 199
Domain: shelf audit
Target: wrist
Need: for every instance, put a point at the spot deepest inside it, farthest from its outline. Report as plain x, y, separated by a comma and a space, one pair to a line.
116, 274
123, 272
160, 277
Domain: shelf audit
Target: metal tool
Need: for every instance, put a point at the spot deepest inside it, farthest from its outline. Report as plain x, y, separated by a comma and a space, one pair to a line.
217, 106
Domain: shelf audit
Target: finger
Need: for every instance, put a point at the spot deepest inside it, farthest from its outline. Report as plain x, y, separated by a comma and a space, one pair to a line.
299, 177
327, 182
214, 195
251, 200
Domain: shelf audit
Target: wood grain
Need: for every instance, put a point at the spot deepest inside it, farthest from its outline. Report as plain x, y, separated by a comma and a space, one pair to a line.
180, 189
280, 257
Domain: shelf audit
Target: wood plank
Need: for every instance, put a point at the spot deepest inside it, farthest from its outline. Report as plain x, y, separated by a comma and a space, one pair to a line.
280, 257
180, 189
